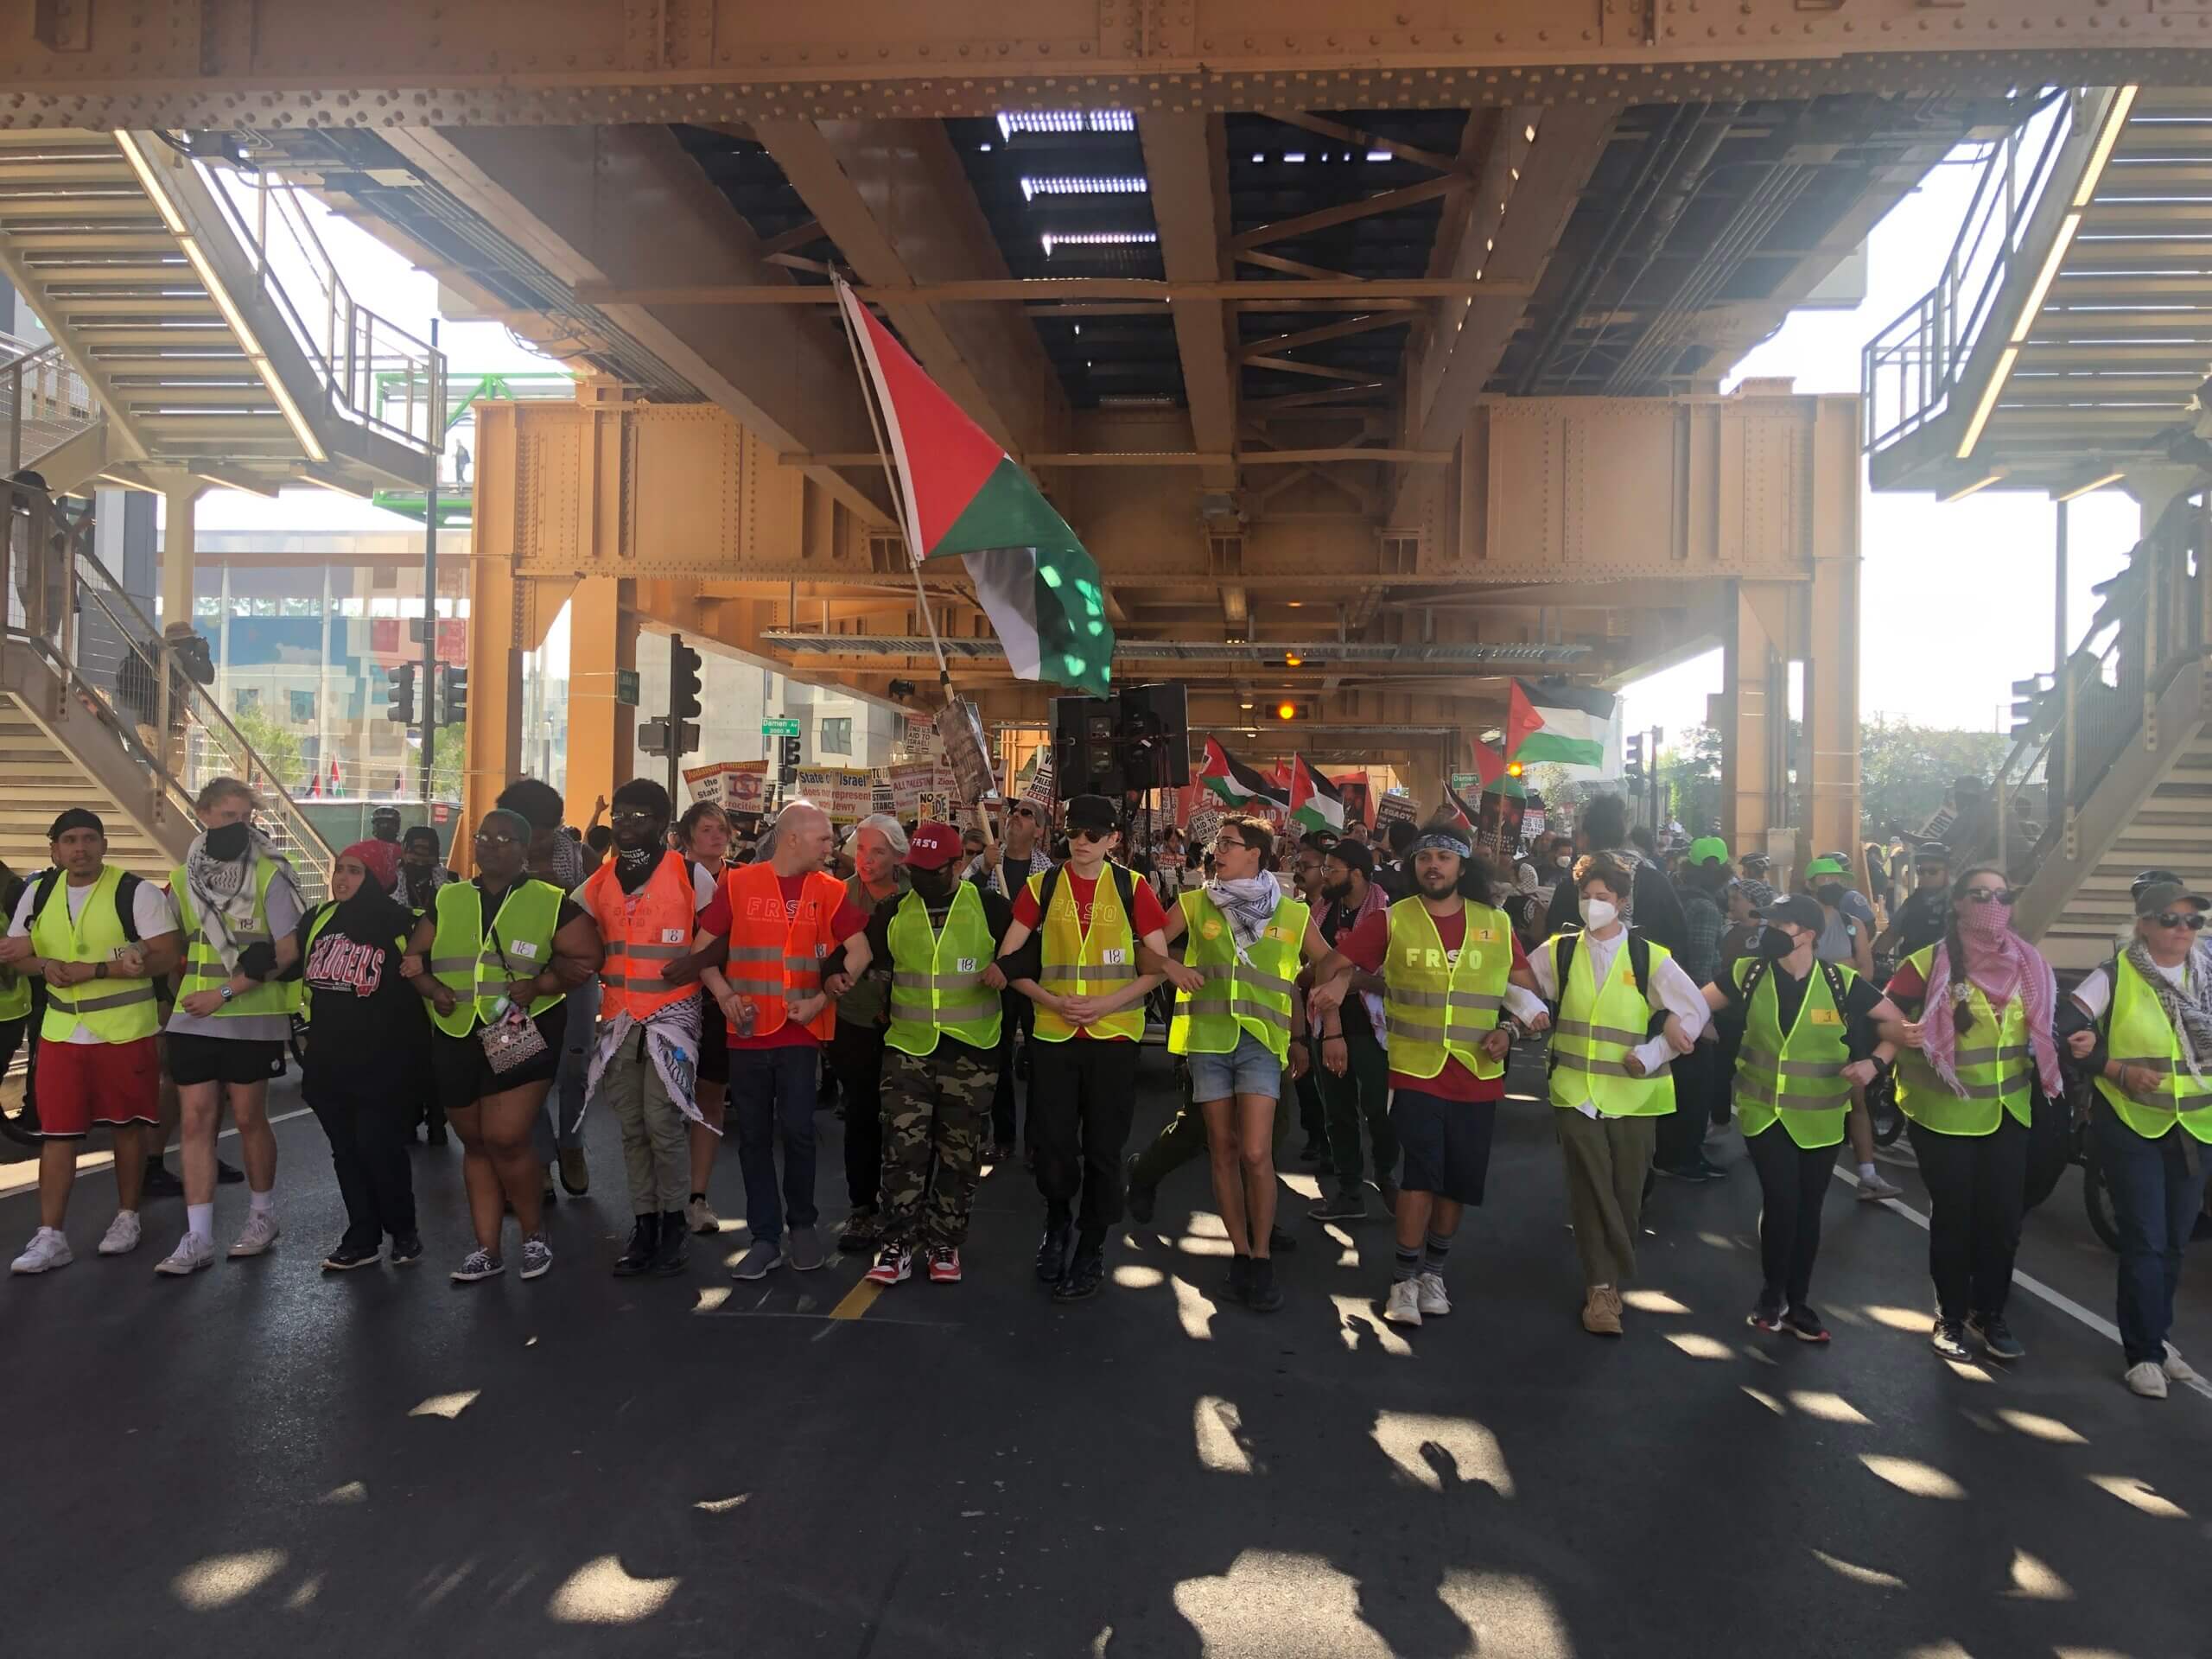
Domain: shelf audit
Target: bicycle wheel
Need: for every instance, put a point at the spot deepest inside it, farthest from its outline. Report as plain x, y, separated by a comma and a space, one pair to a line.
2096, 1200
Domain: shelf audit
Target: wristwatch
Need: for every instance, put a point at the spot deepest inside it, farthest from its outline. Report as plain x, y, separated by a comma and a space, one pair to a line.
226, 993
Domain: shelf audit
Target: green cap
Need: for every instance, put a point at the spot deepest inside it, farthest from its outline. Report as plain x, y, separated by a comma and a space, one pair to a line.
1824, 867
1708, 849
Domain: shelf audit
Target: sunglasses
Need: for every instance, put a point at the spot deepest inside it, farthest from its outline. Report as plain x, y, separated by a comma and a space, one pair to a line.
1024, 813
631, 815
1989, 895
485, 839
2191, 919
1088, 834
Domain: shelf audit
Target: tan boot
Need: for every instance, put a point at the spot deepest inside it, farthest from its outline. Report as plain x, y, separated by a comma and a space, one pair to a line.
1601, 1311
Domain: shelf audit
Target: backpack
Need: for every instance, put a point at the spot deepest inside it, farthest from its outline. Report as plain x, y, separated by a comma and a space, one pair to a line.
1829, 971
126, 899
1639, 963
1124, 884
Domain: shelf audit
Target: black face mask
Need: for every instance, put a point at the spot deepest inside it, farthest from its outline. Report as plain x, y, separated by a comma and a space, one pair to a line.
1831, 895
935, 886
229, 841
1771, 945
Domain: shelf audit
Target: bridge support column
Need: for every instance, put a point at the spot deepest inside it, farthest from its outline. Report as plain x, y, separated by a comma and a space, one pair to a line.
1829, 635
180, 533
603, 733
1752, 714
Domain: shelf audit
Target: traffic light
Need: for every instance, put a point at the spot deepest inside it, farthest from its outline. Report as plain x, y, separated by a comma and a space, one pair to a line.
1287, 710
652, 737
683, 681
1633, 750
2030, 713
787, 753
452, 696
400, 700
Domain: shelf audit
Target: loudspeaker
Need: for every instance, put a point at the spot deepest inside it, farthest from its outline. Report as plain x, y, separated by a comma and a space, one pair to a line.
1155, 736
1085, 760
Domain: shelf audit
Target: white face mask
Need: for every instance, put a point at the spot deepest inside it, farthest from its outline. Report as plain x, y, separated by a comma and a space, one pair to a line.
1599, 914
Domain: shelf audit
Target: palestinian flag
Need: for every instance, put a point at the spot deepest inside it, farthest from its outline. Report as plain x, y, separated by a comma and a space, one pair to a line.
961, 493
1490, 765
1315, 803
1575, 727
1233, 783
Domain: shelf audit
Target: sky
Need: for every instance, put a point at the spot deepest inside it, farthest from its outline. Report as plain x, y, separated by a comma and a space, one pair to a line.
1957, 599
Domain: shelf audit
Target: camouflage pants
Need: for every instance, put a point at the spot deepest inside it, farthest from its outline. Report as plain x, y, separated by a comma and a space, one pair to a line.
936, 1116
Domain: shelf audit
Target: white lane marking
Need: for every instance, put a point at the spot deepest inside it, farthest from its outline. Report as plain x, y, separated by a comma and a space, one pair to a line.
90, 1162
2034, 1286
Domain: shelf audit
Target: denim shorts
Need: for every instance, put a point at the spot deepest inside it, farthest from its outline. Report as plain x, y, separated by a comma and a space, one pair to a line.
1248, 1069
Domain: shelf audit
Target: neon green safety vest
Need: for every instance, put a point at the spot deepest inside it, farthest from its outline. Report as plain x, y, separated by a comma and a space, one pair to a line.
203, 967
1994, 1063
462, 954
1435, 1009
113, 1010
15, 994
2142, 1035
1797, 1077
1238, 997
1096, 961
937, 978
1598, 1025
315, 931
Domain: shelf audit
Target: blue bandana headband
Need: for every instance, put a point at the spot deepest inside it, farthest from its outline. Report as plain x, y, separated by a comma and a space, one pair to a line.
1442, 842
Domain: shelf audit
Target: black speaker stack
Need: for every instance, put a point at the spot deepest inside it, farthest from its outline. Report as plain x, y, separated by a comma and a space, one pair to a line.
1139, 738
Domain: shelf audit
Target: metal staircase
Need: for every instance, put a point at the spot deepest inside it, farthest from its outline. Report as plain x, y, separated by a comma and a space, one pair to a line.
97, 709
203, 317
2073, 322
2118, 757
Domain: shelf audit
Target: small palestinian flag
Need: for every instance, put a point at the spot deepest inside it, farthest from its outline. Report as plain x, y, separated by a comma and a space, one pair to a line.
1575, 727
1490, 765
961, 493
1315, 803
1233, 783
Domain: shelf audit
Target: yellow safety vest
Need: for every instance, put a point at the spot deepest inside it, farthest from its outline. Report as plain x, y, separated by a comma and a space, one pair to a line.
1797, 1076
1598, 1026
1238, 997
1435, 1009
2142, 1035
937, 977
203, 967
113, 1010
315, 931
1077, 963
461, 953
1995, 1064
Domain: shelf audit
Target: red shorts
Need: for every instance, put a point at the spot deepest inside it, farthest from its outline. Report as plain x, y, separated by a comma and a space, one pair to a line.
83, 1084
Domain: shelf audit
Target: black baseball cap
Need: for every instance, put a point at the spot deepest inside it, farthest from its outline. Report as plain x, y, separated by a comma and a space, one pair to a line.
2160, 895
1092, 812
1800, 910
1933, 852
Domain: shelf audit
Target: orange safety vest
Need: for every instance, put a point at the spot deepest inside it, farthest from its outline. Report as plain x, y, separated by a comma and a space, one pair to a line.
771, 957
645, 931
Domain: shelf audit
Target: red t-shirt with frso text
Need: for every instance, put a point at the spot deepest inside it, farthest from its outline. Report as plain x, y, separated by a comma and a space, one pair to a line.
1368, 944
1145, 915
716, 919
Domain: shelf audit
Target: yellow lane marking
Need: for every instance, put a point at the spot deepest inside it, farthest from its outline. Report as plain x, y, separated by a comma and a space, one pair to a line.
858, 1301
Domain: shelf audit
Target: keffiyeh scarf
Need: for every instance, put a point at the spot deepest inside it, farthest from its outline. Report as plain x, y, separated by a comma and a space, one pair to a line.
2188, 1007
223, 890
672, 1045
1249, 904
2038, 989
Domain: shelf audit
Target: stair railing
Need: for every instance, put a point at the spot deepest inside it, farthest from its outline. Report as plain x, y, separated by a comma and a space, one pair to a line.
65, 605
43, 400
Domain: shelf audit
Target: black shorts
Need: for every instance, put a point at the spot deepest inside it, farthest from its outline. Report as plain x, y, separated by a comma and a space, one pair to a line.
192, 1059
714, 1046
463, 1076
1446, 1143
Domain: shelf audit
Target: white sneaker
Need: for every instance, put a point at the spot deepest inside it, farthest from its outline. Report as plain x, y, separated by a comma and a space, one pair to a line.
1404, 1306
2147, 1380
261, 1231
702, 1217
122, 1236
2178, 1370
1875, 1190
192, 1254
1434, 1301
47, 1249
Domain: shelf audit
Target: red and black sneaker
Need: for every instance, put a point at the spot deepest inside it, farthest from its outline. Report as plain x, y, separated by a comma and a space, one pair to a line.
945, 1264
894, 1263
1766, 1315
1804, 1324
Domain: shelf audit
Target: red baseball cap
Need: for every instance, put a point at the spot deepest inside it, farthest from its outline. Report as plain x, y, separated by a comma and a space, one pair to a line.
932, 846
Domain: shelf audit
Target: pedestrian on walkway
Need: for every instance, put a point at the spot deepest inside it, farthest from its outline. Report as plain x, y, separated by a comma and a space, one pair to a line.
644, 1061
421, 872
1446, 956
1983, 1003
2142, 1024
1679, 1151
1005, 870
940, 940
497, 960
1239, 1019
702, 835
1358, 1093
1924, 917
1809, 1037
1091, 914
782, 923
361, 1017
236, 896
557, 857
1626, 1011
98, 937
856, 1052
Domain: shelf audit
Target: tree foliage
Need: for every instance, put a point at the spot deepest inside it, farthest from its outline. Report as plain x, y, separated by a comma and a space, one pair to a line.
279, 750
1904, 768
1689, 776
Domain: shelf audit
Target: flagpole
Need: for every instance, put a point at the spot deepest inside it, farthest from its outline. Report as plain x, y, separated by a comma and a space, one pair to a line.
891, 477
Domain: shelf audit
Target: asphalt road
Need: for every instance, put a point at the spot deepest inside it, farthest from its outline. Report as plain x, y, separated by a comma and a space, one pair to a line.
263, 1459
